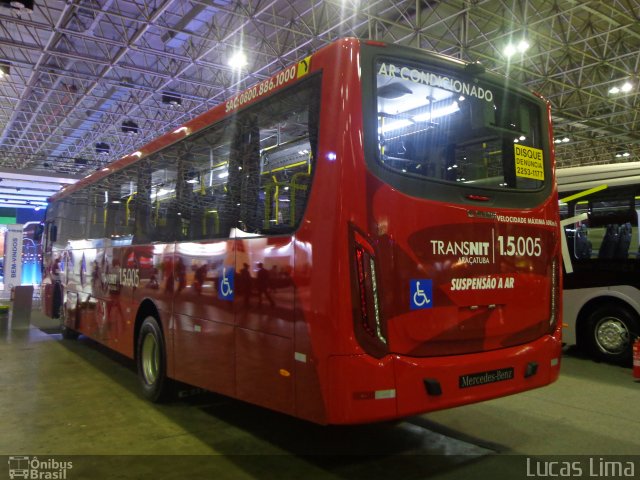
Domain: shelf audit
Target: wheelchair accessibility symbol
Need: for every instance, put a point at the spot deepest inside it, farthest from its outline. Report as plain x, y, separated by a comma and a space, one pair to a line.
421, 294
225, 289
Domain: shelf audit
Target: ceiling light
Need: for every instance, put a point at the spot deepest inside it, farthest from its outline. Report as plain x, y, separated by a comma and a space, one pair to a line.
511, 49
238, 60
625, 88
130, 127
102, 148
171, 99
5, 68
23, 5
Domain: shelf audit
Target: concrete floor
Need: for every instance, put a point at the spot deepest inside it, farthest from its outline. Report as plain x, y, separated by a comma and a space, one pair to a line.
76, 401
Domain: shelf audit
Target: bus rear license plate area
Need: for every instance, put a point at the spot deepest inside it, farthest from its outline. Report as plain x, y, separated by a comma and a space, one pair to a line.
484, 378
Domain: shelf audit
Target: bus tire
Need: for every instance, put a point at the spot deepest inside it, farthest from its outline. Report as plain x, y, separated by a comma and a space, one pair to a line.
151, 361
610, 331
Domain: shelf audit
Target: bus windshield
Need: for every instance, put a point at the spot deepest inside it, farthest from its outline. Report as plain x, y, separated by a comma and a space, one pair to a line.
455, 129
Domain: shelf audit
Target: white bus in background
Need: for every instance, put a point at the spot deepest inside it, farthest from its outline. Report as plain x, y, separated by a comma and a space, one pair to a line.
601, 300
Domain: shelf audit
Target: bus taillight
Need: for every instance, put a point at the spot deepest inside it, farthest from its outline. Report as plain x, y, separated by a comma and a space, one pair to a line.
369, 326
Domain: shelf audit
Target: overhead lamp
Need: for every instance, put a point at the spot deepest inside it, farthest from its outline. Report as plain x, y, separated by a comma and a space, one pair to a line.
5, 68
130, 127
238, 60
624, 88
25, 6
171, 99
513, 48
102, 148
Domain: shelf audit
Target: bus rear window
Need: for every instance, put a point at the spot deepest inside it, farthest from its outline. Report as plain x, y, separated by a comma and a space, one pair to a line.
435, 126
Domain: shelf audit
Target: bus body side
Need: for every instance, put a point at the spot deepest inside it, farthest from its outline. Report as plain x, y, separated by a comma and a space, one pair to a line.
299, 343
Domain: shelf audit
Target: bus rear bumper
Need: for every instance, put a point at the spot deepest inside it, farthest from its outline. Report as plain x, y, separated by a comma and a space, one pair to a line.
365, 389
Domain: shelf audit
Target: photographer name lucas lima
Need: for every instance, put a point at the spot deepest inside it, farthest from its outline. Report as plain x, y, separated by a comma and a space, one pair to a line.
595, 467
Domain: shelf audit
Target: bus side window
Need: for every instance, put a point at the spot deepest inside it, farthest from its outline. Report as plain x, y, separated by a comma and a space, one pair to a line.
277, 148
207, 206
141, 208
244, 172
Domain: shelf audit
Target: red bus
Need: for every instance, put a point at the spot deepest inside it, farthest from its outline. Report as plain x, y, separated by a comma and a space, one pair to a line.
369, 234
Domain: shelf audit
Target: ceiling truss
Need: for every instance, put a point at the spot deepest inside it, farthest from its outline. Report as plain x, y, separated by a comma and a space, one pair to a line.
79, 68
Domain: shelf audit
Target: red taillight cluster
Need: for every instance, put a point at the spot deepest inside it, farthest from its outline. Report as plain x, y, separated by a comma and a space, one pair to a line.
369, 328
369, 309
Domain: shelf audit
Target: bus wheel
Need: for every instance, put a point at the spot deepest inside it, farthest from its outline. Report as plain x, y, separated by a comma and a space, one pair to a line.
151, 361
610, 333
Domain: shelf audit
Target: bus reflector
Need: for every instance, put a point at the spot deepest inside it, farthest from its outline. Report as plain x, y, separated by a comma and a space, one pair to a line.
375, 394
555, 293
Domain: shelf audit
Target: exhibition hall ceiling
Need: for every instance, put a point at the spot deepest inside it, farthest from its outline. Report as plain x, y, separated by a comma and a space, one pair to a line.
88, 81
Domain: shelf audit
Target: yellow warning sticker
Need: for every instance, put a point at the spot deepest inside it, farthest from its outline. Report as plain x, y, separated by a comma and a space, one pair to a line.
529, 162
304, 66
